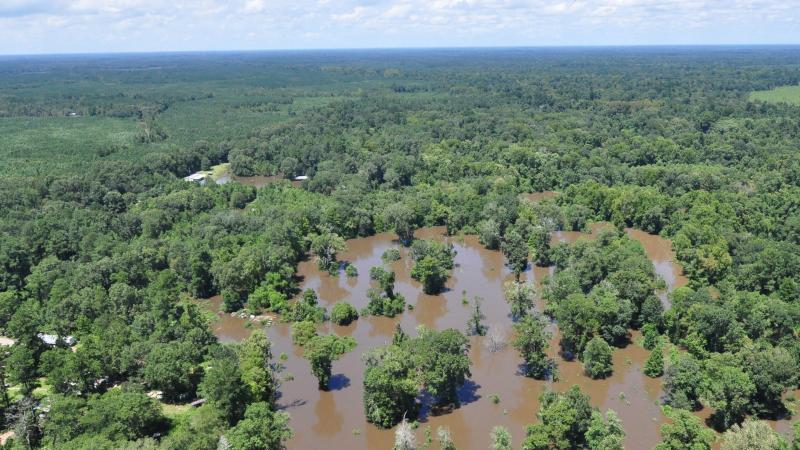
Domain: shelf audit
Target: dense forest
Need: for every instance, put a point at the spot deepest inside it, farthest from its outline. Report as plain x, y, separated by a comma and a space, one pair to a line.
108, 257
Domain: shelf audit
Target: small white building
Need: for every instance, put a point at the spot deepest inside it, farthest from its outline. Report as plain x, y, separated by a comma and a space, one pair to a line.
197, 177
52, 339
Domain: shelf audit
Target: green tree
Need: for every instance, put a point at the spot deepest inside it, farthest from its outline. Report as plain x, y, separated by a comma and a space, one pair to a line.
385, 279
532, 342
605, 433
520, 296
325, 246
343, 313
650, 337
223, 389
684, 431
683, 381
21, 365
27, 430
442, 362
489, 234
402, 220
516, 252
539, 245
302, 332
753, 435
389, 389
728, 391
597, 358
565, 419
261, 429
322, 351
173, 368
255, 354
501, 438
654, 366
123, 414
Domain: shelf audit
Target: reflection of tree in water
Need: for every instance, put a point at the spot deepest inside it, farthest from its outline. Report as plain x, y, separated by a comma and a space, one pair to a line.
329, 419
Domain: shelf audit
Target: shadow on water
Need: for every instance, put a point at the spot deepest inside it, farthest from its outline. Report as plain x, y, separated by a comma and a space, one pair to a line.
338, 382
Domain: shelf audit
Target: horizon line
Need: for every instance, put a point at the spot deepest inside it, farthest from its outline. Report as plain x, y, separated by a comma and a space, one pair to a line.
400, 48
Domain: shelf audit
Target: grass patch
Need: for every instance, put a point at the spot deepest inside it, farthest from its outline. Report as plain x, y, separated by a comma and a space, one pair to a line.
783, 94
173, 411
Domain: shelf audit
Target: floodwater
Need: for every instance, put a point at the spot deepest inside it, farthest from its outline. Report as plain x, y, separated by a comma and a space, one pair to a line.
335, 419
257, 181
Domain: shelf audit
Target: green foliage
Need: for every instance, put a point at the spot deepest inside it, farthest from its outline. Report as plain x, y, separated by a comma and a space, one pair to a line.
390, 255
258, 374
520, 296
501, 438
322, 351
306, 309
226, 389
684, 431
475, 324
261, 428
343, 313
753, 434
532, 341
654, 366
433, 262
565, 420
683, 381
597, 358
325, 246
605, 433
302, 332
515, 250
435, 361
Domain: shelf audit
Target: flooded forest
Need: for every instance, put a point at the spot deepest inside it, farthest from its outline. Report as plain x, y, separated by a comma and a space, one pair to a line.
533, 249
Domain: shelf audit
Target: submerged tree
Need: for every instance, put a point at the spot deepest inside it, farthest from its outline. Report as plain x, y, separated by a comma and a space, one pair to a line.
684, 431
322, 351
605, 433
597, 358
520, 297
501, 438
532, 342
325, 246
515, 250
475, 325
654, 366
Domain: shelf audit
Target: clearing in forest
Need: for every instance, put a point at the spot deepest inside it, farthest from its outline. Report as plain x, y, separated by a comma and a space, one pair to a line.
783, 94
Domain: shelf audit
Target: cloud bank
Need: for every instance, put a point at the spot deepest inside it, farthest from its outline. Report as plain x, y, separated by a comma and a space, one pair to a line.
59, 26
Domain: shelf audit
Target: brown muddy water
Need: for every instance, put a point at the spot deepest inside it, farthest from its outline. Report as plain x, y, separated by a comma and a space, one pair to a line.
335, 419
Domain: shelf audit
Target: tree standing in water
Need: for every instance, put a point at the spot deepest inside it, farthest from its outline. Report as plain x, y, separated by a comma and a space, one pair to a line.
475, 325
520, 297
515, 250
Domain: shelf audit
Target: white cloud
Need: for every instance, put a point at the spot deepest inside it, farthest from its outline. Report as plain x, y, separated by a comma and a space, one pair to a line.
94, 25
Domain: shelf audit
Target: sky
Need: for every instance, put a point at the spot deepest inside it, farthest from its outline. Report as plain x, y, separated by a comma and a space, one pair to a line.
90, 26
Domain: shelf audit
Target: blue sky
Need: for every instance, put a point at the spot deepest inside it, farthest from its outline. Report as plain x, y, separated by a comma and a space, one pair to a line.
78, 26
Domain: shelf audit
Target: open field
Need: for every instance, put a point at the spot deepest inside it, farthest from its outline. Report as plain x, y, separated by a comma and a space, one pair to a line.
783, 94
